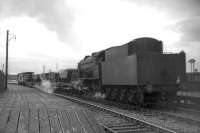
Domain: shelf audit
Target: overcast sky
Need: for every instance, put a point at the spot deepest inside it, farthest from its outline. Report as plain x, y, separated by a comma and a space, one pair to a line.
62, 32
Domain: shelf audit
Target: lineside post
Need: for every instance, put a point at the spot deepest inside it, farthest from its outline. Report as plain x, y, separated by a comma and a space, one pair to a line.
6, 71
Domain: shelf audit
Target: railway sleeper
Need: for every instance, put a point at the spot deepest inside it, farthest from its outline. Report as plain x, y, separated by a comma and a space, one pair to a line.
121, 125
126, 127
140, 129
136, 130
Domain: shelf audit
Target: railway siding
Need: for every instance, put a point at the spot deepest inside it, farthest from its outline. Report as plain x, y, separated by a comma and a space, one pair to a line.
154, 118
155, 128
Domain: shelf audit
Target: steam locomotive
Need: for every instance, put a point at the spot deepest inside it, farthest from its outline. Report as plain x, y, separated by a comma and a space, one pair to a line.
136, 72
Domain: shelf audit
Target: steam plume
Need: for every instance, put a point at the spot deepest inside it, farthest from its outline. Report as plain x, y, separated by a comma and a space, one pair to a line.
46, 86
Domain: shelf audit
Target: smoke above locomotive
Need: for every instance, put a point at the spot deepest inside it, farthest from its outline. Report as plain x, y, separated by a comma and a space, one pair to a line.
135, 72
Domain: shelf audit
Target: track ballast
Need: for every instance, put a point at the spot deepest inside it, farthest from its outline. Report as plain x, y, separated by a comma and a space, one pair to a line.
127, 124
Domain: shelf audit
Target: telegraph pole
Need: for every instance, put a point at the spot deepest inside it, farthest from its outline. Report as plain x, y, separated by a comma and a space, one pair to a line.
6, 71
7, 42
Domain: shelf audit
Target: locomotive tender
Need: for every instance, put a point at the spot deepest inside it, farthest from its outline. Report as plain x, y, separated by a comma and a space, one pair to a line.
135, 72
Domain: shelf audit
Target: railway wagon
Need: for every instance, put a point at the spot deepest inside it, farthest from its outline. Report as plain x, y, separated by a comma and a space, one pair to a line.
66, 79
135, 72
68, 75
25, 78
37, 79
50, 76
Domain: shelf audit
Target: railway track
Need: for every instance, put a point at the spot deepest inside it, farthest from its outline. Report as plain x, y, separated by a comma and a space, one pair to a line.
117, 122
180, 114
186, 109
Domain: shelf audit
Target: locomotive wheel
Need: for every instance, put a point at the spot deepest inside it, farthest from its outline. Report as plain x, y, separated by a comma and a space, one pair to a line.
130, 96
91, 91
139, 97
170, 97
132, 99
85, 91
122, 94
111, 93
163, 97
114, 94
118, 94
108, 93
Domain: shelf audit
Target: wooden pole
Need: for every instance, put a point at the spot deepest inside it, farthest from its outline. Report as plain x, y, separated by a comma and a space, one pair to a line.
6, 71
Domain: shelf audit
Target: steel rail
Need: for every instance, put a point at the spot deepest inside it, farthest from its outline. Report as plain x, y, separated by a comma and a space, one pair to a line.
155, 128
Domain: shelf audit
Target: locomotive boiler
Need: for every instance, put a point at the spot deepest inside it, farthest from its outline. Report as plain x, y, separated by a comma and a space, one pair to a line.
135, 72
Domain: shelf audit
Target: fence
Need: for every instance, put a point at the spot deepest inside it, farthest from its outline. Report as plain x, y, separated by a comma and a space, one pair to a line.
2, 81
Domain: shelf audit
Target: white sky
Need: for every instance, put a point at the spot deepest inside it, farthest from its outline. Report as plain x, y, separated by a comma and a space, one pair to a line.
96, 25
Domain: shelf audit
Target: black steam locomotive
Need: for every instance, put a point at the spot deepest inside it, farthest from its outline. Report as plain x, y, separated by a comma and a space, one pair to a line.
135, 72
